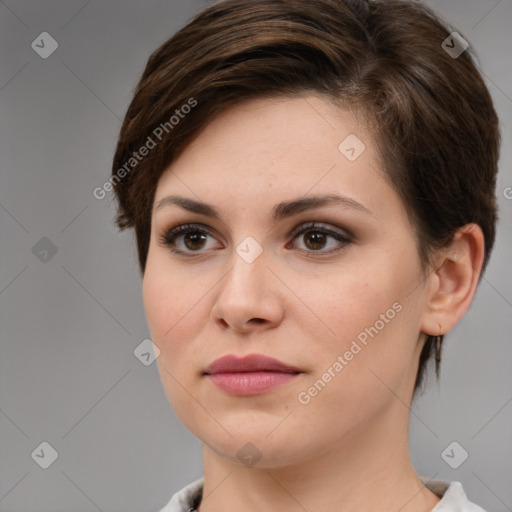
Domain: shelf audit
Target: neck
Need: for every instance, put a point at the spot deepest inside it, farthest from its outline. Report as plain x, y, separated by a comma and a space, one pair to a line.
366, 470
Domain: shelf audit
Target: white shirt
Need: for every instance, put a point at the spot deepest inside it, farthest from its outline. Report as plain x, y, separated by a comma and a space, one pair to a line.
453, 497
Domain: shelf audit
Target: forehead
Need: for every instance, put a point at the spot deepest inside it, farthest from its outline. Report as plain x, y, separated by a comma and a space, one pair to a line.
274, 136
275, 148
279, 126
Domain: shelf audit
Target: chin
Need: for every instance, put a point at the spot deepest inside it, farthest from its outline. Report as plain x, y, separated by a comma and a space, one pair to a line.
258, 454
257, 449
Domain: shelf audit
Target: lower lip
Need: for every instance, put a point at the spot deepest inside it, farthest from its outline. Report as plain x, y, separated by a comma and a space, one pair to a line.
250, 383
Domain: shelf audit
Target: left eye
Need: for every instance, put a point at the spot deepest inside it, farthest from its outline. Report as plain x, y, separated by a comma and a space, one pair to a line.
190, 238
315, 238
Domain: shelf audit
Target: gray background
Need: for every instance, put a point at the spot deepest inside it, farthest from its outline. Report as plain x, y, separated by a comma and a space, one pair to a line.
69, 325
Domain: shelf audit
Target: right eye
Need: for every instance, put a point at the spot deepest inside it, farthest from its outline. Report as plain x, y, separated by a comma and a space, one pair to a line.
186, 239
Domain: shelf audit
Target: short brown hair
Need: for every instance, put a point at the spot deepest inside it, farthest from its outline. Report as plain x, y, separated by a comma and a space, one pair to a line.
434, 121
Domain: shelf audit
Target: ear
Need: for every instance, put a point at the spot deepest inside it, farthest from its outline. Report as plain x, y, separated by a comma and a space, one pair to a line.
453, 284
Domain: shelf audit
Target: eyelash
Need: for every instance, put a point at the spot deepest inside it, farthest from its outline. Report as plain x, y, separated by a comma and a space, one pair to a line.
169, 237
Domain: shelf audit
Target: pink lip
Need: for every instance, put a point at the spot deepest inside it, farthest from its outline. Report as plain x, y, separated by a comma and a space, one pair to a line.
249, 363
250, 375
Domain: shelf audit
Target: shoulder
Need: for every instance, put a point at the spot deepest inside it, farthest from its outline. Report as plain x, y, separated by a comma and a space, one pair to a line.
185, 499
453, 496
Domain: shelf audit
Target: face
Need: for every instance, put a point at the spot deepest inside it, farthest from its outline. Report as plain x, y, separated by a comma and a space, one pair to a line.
334, 291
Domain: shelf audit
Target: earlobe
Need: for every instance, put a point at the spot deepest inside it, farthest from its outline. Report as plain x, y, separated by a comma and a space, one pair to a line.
453, 284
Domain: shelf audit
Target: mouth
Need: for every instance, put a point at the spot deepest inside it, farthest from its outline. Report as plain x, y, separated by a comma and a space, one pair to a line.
250, 375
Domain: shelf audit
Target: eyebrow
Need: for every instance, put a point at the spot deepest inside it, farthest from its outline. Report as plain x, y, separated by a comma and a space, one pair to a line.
280, 211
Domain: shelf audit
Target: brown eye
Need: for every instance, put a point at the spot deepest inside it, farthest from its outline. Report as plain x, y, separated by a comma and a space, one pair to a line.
186, 239
194, 240
315, 238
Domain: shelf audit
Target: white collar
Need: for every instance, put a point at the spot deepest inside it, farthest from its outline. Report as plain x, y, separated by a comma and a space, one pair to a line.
453, 497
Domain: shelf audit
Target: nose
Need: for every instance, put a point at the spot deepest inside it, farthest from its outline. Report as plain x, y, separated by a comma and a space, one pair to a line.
249, 298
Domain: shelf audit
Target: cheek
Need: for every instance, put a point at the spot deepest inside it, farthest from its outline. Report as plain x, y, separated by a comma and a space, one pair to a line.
345, 302
165, 299
368, 318
171, 307
175, 306
156, 295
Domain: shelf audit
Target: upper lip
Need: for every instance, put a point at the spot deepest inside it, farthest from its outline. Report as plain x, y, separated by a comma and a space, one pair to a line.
249, 363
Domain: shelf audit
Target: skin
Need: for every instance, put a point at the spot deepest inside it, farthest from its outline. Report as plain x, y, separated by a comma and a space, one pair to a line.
348, 448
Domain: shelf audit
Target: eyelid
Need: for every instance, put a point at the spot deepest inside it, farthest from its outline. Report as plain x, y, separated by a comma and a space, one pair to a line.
321, 226
183, 229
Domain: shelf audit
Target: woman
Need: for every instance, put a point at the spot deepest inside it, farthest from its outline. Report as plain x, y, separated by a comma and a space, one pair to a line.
312, 189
